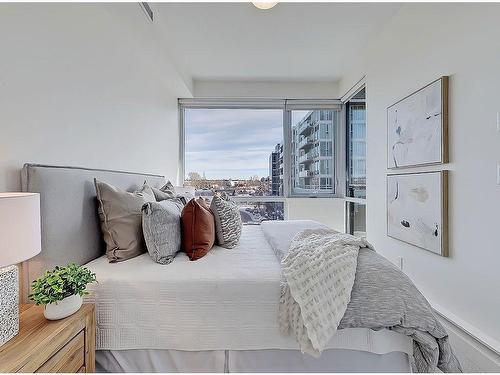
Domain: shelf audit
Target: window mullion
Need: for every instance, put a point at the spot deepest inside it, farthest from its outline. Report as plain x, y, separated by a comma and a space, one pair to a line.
287, 162
341, 154
182, 147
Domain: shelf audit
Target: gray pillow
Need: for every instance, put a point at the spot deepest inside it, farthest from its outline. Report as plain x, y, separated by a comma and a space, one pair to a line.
227, 221
161, 225
121, 219
168, 192
185, 197
165, 192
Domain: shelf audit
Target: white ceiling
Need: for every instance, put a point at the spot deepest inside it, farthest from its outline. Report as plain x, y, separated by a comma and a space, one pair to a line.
291, 42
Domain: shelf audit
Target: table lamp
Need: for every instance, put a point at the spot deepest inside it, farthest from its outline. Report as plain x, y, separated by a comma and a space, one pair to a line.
20, 240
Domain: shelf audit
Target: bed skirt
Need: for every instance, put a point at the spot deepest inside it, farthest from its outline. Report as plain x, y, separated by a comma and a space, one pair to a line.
256, 361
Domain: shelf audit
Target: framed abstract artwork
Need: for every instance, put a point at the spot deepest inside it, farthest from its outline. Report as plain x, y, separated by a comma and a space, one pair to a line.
417, 127
417, 209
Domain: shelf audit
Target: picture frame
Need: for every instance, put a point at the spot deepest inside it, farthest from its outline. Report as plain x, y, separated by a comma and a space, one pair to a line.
417, 127
417, 209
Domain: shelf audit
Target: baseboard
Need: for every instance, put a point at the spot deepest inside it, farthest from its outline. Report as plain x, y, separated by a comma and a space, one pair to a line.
475, 351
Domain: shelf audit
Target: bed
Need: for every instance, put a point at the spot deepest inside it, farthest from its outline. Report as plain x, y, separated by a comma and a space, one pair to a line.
218, 314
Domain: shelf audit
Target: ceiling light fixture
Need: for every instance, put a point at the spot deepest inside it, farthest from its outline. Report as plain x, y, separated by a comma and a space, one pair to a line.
264, 4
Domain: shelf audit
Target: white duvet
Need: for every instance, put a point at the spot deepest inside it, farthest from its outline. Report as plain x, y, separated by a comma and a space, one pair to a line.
228, 300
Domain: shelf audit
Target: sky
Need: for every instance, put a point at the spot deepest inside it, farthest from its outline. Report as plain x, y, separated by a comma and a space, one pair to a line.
231, 143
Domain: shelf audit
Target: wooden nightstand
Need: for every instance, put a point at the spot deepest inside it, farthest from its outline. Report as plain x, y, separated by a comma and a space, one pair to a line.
66, 345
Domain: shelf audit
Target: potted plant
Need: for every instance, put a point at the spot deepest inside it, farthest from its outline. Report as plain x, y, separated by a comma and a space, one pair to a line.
61, 289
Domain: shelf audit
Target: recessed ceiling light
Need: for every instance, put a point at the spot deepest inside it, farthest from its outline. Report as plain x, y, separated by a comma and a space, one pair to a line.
264, 4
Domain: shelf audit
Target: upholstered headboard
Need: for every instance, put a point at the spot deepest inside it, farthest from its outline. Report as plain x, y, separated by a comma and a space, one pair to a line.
68, 205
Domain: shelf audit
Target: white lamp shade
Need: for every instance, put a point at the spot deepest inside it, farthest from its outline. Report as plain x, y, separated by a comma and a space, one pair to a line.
20, 237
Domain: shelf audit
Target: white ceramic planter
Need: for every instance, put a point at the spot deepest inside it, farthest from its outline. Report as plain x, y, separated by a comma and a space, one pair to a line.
64, 308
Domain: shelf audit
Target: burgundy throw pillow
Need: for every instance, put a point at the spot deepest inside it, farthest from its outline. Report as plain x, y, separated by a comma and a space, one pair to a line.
198, 229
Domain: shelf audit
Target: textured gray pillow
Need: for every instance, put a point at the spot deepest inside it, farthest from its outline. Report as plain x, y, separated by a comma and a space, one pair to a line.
168, 191
121, 219
165, 192
185, 197
227, 221
161, 225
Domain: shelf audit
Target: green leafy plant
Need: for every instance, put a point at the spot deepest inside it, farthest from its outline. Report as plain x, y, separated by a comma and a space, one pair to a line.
61, 282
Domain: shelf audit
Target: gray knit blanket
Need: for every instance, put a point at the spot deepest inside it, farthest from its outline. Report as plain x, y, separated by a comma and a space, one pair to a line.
380, 296
384, 297
317, 278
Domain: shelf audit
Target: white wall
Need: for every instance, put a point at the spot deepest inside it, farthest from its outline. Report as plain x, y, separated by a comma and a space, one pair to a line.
256, 89
422, 43
86, 85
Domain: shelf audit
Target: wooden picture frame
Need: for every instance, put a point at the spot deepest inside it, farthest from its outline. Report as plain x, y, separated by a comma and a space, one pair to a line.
417, 209
417, 127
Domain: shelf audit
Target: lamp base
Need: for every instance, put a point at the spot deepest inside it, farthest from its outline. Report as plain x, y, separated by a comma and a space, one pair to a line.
9, 303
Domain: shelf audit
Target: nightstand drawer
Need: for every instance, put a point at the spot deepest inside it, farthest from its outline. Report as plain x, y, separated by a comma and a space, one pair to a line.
69, 358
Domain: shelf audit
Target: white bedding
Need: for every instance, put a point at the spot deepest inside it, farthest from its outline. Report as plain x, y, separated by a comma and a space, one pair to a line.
227, 300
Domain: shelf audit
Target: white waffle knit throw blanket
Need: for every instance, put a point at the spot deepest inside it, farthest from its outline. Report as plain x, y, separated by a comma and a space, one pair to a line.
317, 277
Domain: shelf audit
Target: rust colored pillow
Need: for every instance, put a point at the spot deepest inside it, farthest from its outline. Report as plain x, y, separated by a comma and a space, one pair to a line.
198, 229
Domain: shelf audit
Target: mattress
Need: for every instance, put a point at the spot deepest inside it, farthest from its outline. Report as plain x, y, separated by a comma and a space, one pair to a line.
227, 300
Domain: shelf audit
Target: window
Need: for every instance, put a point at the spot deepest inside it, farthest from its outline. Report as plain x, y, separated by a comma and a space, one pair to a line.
254, 212
356, 146
261, 151
356, 164
238, 152
356, 218
312, 151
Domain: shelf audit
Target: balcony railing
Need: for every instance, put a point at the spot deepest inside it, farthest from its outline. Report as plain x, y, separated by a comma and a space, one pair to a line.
307, 141
312, 188
311, 155
304, 126
322, 174
303, 158
306, 173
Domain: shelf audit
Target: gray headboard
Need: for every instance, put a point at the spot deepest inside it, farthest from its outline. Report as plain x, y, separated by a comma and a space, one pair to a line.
70, 224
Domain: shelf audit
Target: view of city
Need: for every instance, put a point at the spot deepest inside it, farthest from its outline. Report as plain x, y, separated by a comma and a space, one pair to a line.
240, 152
251, 212
227, 150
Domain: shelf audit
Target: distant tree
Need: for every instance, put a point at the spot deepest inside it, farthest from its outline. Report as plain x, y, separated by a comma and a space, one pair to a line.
194, 176
196, 180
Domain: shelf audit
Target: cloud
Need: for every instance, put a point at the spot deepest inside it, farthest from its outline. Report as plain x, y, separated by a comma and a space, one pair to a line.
231, 143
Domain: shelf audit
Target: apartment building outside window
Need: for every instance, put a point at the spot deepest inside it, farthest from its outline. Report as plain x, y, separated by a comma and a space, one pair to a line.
312, 151
276, 170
